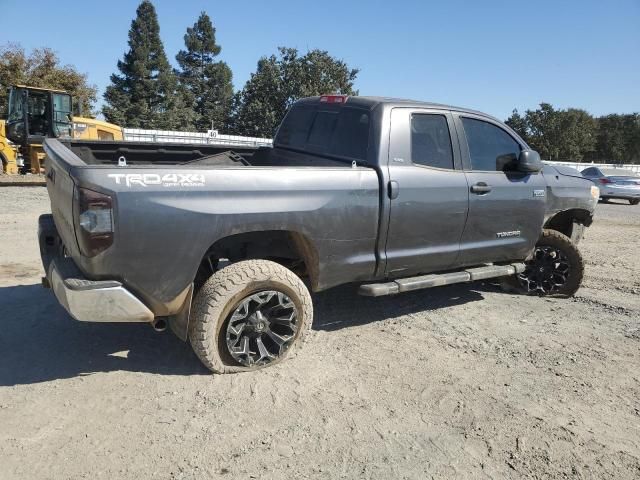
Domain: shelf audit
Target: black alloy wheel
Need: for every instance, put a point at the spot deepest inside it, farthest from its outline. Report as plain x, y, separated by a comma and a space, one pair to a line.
261, 328
546, 273
555, 268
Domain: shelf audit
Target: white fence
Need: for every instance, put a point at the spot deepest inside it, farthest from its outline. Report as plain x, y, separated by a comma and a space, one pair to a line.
212, 137
581, 166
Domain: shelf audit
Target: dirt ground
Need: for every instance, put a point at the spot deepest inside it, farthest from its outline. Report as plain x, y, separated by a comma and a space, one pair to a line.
457, 382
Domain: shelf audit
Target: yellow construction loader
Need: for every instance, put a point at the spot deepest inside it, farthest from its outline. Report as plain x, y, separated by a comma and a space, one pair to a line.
37, 113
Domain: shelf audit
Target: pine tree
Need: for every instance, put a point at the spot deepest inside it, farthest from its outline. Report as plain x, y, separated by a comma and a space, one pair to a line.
260, 106
207, 82
144, 94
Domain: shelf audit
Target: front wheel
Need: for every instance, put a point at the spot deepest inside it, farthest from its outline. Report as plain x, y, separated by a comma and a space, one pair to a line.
634, 201
555, 268
249, 315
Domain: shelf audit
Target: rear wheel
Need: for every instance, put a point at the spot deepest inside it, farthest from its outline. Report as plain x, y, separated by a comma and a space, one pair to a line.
634, 201
555, 268
249, 315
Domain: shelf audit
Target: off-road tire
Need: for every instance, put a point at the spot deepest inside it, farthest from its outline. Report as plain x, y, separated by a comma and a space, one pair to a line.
220, 295
634, 201
555, 239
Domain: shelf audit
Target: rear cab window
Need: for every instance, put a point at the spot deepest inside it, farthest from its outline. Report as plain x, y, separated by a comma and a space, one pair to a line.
431, 141
341, 132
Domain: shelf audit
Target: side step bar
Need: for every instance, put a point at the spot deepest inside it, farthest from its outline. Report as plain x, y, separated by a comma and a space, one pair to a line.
438, 279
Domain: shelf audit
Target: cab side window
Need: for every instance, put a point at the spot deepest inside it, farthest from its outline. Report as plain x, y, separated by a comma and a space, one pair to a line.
430, 141
490, 147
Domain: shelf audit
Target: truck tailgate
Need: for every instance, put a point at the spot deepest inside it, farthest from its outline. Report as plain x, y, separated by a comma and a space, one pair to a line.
58, 165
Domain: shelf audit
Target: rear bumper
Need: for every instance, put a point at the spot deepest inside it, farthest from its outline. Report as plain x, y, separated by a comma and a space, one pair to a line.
621, 193
85, 300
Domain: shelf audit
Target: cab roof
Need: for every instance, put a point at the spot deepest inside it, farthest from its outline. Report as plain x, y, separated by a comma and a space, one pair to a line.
43, 89
371, 102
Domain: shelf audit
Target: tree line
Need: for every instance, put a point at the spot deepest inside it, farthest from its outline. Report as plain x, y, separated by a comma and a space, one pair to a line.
147, 92
575, 135
41, 68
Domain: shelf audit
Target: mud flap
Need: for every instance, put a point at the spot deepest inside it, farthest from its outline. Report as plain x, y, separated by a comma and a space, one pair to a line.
179, 323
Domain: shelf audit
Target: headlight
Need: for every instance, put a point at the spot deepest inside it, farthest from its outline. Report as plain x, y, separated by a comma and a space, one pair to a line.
595, 192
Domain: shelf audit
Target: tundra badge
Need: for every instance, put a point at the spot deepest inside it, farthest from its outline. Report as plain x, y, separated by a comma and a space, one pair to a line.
513, 233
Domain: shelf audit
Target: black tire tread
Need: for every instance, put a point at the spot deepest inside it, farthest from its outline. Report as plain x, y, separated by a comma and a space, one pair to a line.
208, 309
549, 236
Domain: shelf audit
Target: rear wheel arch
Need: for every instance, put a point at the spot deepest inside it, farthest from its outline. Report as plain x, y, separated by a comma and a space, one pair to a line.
291, 249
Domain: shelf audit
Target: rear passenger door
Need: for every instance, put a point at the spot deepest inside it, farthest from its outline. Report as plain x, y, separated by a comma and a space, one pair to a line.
428, 190
506, 207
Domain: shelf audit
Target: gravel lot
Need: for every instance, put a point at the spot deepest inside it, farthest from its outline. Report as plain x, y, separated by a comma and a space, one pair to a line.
456, 382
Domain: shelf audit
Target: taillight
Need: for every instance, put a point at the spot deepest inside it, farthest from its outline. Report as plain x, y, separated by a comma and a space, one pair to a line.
334, 98
605, 181
94, 217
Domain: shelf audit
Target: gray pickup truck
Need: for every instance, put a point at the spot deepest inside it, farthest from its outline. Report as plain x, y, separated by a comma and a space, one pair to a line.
223, 244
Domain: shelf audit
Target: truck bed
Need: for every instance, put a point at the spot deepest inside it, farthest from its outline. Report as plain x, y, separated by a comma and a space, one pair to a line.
108, 153
168, 212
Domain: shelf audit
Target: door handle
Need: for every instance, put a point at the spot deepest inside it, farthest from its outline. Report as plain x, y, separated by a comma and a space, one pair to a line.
480, 188
394, 189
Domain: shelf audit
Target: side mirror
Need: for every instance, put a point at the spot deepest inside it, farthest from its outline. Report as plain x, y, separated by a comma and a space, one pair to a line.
529, 162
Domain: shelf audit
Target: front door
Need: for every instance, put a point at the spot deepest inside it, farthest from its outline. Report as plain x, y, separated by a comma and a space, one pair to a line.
506, 207
428, 190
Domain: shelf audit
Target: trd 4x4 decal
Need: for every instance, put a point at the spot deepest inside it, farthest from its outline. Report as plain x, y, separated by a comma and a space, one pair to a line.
166, 180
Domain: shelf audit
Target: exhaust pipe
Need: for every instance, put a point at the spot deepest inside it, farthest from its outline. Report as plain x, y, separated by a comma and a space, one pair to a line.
159, 324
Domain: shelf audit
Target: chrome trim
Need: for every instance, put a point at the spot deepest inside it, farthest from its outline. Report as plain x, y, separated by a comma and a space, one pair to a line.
106, 304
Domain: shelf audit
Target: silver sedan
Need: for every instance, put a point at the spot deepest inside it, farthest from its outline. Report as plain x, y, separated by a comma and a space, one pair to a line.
615, 183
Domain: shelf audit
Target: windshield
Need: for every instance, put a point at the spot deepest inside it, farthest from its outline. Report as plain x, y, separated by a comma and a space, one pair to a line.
62, 115
340, 132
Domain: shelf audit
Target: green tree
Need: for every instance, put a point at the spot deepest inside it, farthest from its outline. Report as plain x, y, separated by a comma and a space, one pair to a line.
207, 83
519, 124
145, 94
618, 138
260, 105
41, 68
281, 80
576, 134
556, 134
543, 127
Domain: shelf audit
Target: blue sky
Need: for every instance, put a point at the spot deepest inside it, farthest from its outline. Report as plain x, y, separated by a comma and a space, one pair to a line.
489, 55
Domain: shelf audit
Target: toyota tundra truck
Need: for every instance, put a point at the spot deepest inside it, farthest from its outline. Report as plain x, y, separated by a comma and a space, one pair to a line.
225, 244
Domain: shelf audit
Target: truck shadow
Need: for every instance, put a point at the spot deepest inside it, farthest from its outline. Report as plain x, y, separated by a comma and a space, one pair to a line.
342, 307
40, 342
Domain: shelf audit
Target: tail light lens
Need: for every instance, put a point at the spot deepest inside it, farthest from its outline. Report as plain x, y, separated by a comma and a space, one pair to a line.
605, 181
334, 98
94, 217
